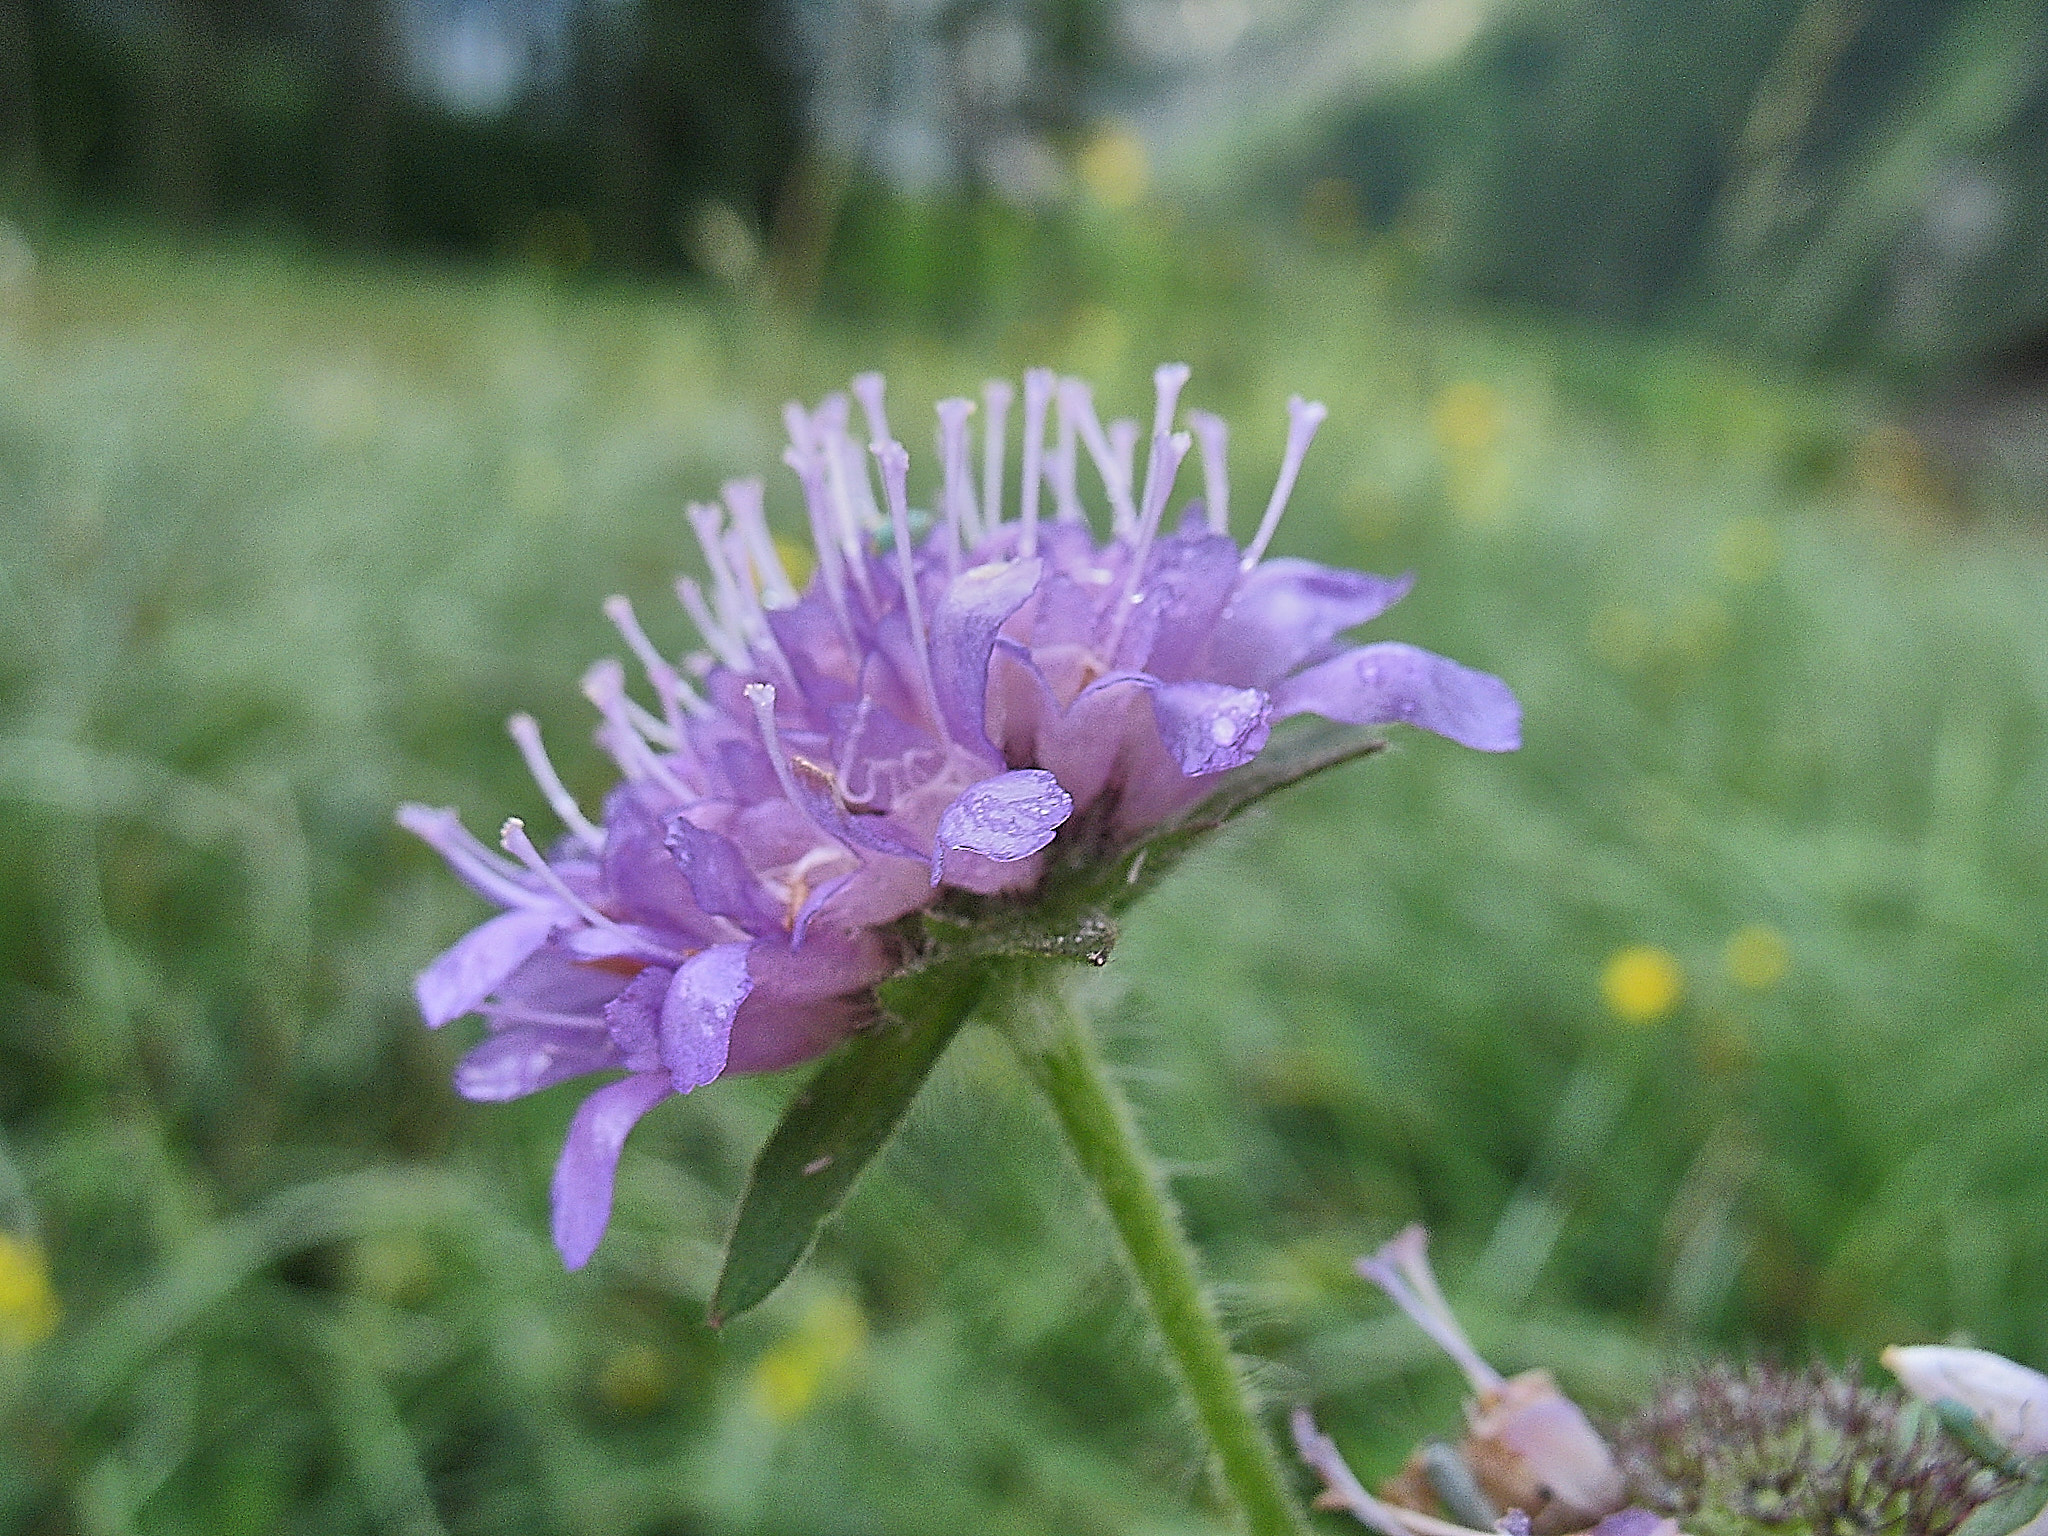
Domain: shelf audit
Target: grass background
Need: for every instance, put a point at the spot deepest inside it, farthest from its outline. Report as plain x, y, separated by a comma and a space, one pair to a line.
283, 543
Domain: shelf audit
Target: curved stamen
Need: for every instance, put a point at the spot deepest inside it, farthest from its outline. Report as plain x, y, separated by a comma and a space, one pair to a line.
1162, 468
727, 647
1392, 1269
515, 841
868, 389
604, 684
526, 733
1303, 417
1061, 472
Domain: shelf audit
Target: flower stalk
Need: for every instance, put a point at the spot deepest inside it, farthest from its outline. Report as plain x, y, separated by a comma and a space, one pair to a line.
1060, 1054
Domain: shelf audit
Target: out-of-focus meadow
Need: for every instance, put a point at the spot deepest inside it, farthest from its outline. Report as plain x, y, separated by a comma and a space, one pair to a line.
1713, 1020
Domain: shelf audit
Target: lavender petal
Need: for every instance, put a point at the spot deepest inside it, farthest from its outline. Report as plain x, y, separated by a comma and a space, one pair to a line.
696, 1017
1209, 727
1008, 817
480, 960
582, 1193
633, 1019
719, 877
1389, 682
976, 605
525, 1058
1286, 611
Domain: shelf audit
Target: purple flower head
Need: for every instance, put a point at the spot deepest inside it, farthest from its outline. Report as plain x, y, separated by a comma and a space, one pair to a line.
951, 690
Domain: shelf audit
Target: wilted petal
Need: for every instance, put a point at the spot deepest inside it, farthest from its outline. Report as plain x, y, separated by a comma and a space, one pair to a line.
697, 1014
525, 1058
1209, 727
1010, 816
1558, 1443
976, 604
2010, 1398
480, 961
582, 1193
1391, 682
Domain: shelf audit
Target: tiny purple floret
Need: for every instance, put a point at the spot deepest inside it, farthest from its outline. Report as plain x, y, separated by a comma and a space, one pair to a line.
922, 715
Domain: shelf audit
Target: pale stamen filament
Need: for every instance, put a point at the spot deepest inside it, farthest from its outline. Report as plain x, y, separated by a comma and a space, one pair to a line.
956, 495
708, 520
1077, 399
895, 464
727, 647
996, 395
465, 853
747, 500
1122, 436
605, 686
1214, 437
1168, 380
762, 697
1065, 459
817, 511
1434, 1318
676, 695
520, 846
868, 389
1303, 417
526, 733
1161, 470
1038, 392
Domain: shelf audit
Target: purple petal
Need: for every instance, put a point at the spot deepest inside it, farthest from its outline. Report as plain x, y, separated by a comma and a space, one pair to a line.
696, 1016
525, 1058
633, 1018
1381, 684
719, 877
1284, 612
976, 605
1008, 817
1209, 727
619, 941
479, 962
590, 1160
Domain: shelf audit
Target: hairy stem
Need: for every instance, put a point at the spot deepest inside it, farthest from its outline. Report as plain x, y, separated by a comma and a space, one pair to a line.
1061, 1056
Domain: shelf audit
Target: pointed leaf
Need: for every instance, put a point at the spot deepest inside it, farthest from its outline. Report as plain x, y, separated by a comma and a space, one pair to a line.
833, 1129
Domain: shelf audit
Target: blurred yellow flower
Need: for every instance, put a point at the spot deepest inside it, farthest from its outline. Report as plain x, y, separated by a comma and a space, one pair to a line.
1466, 417
810, 1361
1113, 165
1756, 957
28, 1306
1642, 983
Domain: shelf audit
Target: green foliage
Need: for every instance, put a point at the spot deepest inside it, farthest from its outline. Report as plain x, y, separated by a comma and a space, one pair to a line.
285, 544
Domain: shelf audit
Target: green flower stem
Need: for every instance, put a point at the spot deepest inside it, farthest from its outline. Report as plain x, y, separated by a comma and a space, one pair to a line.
1060, 1053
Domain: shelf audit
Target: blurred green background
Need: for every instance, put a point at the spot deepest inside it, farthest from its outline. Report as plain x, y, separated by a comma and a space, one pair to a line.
350, 354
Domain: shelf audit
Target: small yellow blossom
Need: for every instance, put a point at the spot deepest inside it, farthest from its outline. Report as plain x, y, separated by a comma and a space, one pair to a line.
1642, 983
1466, 418
811, 1361
28, 1305
1756, 957
1114, 167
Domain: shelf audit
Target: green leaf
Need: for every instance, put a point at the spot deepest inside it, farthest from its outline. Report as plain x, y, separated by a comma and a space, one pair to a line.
1963, 1425
2006, 1513
833, 1129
